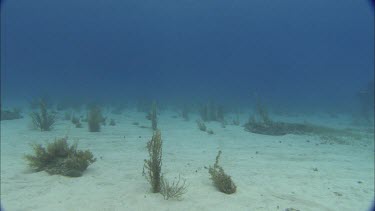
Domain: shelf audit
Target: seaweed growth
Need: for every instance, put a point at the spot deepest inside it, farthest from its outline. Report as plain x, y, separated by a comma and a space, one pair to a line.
366, 104
185, 113
261, 123
154, 117
173, 190
43, 119
69, 104
153, 165
10, 115
68, 115
143, 105
60, 158
236, 120
118, 109
35, 102
76, 121
201, 125
212, 112
220, 179
112, 122
94, 119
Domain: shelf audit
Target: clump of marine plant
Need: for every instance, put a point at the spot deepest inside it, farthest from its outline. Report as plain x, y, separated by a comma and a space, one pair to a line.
366, 104
60, 158
43, 120
185, 113
35, 102
221, 180
261, 123
118, 109
152, 166
201, 125
76, 121
143, 105
69, 104
68, 115
236, 120
94, 119
212, 112
112, 122
10, 115
210, 131
173, 190
154, 117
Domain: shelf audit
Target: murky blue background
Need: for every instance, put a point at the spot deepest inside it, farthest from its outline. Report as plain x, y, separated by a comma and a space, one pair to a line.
305, 53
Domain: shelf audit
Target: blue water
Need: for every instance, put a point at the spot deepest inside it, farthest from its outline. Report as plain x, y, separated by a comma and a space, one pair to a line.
292, 56
303, 53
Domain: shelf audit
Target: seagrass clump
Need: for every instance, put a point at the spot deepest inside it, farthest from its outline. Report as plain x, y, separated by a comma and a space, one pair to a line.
94, 119
201, 125
11, 114
261, 123
43, 120
221, 180
173, 190
211, 112
154, 117
152, 166
76, 121
60, 158
185, 113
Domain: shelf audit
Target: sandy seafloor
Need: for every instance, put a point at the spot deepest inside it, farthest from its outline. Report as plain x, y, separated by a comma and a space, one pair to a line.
271, 172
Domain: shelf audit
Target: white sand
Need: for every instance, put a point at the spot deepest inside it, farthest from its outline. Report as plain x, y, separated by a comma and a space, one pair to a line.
279, 176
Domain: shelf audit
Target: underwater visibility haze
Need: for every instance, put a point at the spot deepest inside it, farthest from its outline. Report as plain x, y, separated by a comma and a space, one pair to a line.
315, 51
217, 105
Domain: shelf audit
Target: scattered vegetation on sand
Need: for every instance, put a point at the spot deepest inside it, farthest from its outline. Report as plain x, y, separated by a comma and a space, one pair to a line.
212, 112
201, 125
118, 109
366, 104
43, 119
10, 115
173, 190
185, 113
68, 115
60, 158
143, 105
94, 119
153, 164
112, 122
236, 120
69, 104
261, 123
220, 179
35, 102
264, 125
154, 117
76, 121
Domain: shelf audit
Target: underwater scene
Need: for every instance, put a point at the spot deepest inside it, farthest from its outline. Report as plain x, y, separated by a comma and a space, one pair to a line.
187, 105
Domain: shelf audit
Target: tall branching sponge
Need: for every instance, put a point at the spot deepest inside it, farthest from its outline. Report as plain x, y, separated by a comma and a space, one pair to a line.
153, 165
220, 179
43, 119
